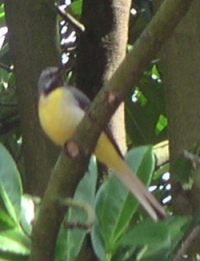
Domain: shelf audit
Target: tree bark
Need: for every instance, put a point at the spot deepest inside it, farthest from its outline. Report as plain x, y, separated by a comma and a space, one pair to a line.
32, 31
180, 63
100, 51
180, 66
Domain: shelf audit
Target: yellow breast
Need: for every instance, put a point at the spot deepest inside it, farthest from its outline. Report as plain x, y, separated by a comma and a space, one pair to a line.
59, 115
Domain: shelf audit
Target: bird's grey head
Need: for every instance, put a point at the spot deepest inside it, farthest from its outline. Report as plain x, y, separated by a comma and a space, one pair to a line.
50, 79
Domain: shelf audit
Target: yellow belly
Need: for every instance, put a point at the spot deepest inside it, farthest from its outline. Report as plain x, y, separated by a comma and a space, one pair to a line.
58, 115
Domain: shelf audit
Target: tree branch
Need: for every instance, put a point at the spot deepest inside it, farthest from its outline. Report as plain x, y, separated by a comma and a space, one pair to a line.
194, 234
68, 18
101, 110
191, 235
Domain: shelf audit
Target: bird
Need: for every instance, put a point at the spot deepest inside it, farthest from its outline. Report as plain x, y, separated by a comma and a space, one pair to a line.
61, 108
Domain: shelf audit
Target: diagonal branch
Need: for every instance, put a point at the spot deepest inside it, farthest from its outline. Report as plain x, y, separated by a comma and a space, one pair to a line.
101, 110
194, 235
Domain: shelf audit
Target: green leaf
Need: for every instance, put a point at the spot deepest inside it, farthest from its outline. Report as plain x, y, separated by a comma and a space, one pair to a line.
160, 256
176, 227
155, 238
146, 233
70, 241
7, 213
10, 179
154, 72
5, 256
145, 115
98, 242
14, 241
115, 206
75, 8
161, 124
2, 14
5, 220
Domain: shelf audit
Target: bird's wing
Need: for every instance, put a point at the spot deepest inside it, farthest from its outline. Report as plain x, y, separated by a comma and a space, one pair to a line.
82, 100
84, 103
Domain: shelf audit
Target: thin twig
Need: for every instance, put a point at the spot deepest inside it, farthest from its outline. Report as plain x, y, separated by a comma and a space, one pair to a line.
195, 159
85, 207
187, 243
79, 27
6, 67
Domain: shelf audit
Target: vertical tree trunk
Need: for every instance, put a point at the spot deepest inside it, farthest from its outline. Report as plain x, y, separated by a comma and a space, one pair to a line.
101, 50
180, 67
32, 44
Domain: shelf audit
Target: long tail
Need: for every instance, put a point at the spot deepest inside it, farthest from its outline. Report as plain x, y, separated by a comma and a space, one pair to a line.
136, 187
107, 154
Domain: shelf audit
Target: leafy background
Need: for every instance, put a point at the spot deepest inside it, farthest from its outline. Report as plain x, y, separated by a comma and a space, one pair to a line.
121, 230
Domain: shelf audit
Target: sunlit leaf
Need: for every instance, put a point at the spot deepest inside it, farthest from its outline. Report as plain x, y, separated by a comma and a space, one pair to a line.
7, 212
10, 179
115, 206
14, 241
75, 8
145, 116
155, 238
